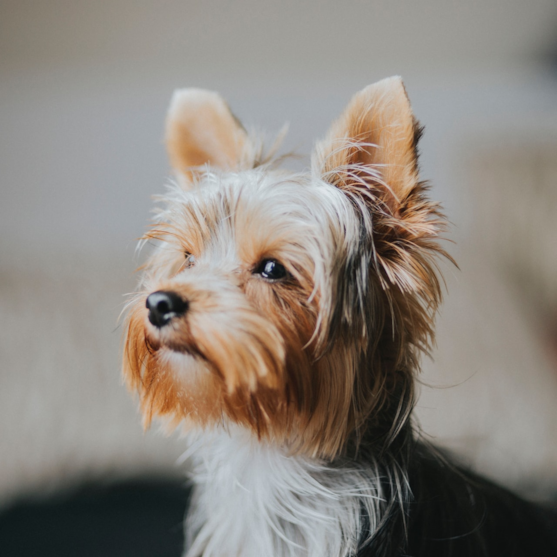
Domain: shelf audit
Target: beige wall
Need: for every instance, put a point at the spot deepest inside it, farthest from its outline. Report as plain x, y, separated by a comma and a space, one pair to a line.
84, 86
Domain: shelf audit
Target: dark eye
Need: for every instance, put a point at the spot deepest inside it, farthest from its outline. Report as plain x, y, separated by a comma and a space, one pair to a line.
271, 269
190, 259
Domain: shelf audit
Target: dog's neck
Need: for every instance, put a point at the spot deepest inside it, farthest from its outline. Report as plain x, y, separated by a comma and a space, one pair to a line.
251, 499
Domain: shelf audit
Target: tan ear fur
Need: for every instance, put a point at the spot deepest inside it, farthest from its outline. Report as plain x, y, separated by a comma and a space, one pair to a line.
377, 132
200, 129
370, 153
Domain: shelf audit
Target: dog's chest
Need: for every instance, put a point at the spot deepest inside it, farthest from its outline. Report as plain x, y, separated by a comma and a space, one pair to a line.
253, 500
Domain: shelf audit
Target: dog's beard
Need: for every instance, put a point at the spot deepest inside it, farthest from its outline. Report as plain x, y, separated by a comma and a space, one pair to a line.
226, 359
247, 354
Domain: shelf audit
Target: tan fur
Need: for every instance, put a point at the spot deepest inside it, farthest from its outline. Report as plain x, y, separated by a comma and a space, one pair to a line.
377, 130
200, 129
328, 356
370, 153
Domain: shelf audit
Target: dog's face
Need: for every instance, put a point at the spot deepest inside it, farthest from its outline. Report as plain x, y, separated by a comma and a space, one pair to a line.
292, 305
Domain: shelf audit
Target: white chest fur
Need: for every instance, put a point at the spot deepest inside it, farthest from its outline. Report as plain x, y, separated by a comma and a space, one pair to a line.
253, 500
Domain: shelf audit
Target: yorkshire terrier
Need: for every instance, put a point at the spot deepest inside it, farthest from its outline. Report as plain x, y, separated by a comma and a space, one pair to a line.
280, 322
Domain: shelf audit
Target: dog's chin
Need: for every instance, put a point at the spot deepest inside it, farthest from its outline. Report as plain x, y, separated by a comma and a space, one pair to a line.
182, 362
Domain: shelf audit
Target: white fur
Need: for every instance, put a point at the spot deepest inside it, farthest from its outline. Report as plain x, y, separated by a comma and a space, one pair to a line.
252, 499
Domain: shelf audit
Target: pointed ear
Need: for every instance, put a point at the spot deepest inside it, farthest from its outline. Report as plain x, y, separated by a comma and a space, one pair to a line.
370, 153
374, 140
200, 129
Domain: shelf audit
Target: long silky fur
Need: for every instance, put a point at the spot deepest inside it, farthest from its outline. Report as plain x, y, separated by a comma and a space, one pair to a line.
296, 395
328, 379
284, 506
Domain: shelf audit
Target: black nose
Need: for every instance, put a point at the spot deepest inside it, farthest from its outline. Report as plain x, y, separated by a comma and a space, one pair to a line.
163, 306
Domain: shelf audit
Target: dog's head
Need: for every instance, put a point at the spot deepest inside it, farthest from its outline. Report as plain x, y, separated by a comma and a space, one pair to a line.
293, 305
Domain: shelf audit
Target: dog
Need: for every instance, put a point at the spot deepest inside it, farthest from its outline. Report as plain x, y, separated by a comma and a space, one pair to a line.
280, 322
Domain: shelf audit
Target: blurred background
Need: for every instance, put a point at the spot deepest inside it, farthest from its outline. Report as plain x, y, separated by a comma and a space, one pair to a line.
84, 88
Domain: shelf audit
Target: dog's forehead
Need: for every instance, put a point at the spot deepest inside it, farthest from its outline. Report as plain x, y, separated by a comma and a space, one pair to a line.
257, 204
239, 218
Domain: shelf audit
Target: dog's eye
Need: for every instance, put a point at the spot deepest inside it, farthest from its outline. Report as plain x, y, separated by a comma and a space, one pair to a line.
271, 269
190, 260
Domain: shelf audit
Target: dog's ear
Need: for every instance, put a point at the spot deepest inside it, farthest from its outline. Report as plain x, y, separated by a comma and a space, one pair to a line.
370, 153
200, 129
374, 141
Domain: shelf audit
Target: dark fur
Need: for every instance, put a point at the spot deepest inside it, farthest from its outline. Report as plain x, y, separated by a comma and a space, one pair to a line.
451, 512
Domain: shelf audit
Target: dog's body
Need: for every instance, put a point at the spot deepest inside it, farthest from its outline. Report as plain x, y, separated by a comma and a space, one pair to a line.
286, 315
253, 499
